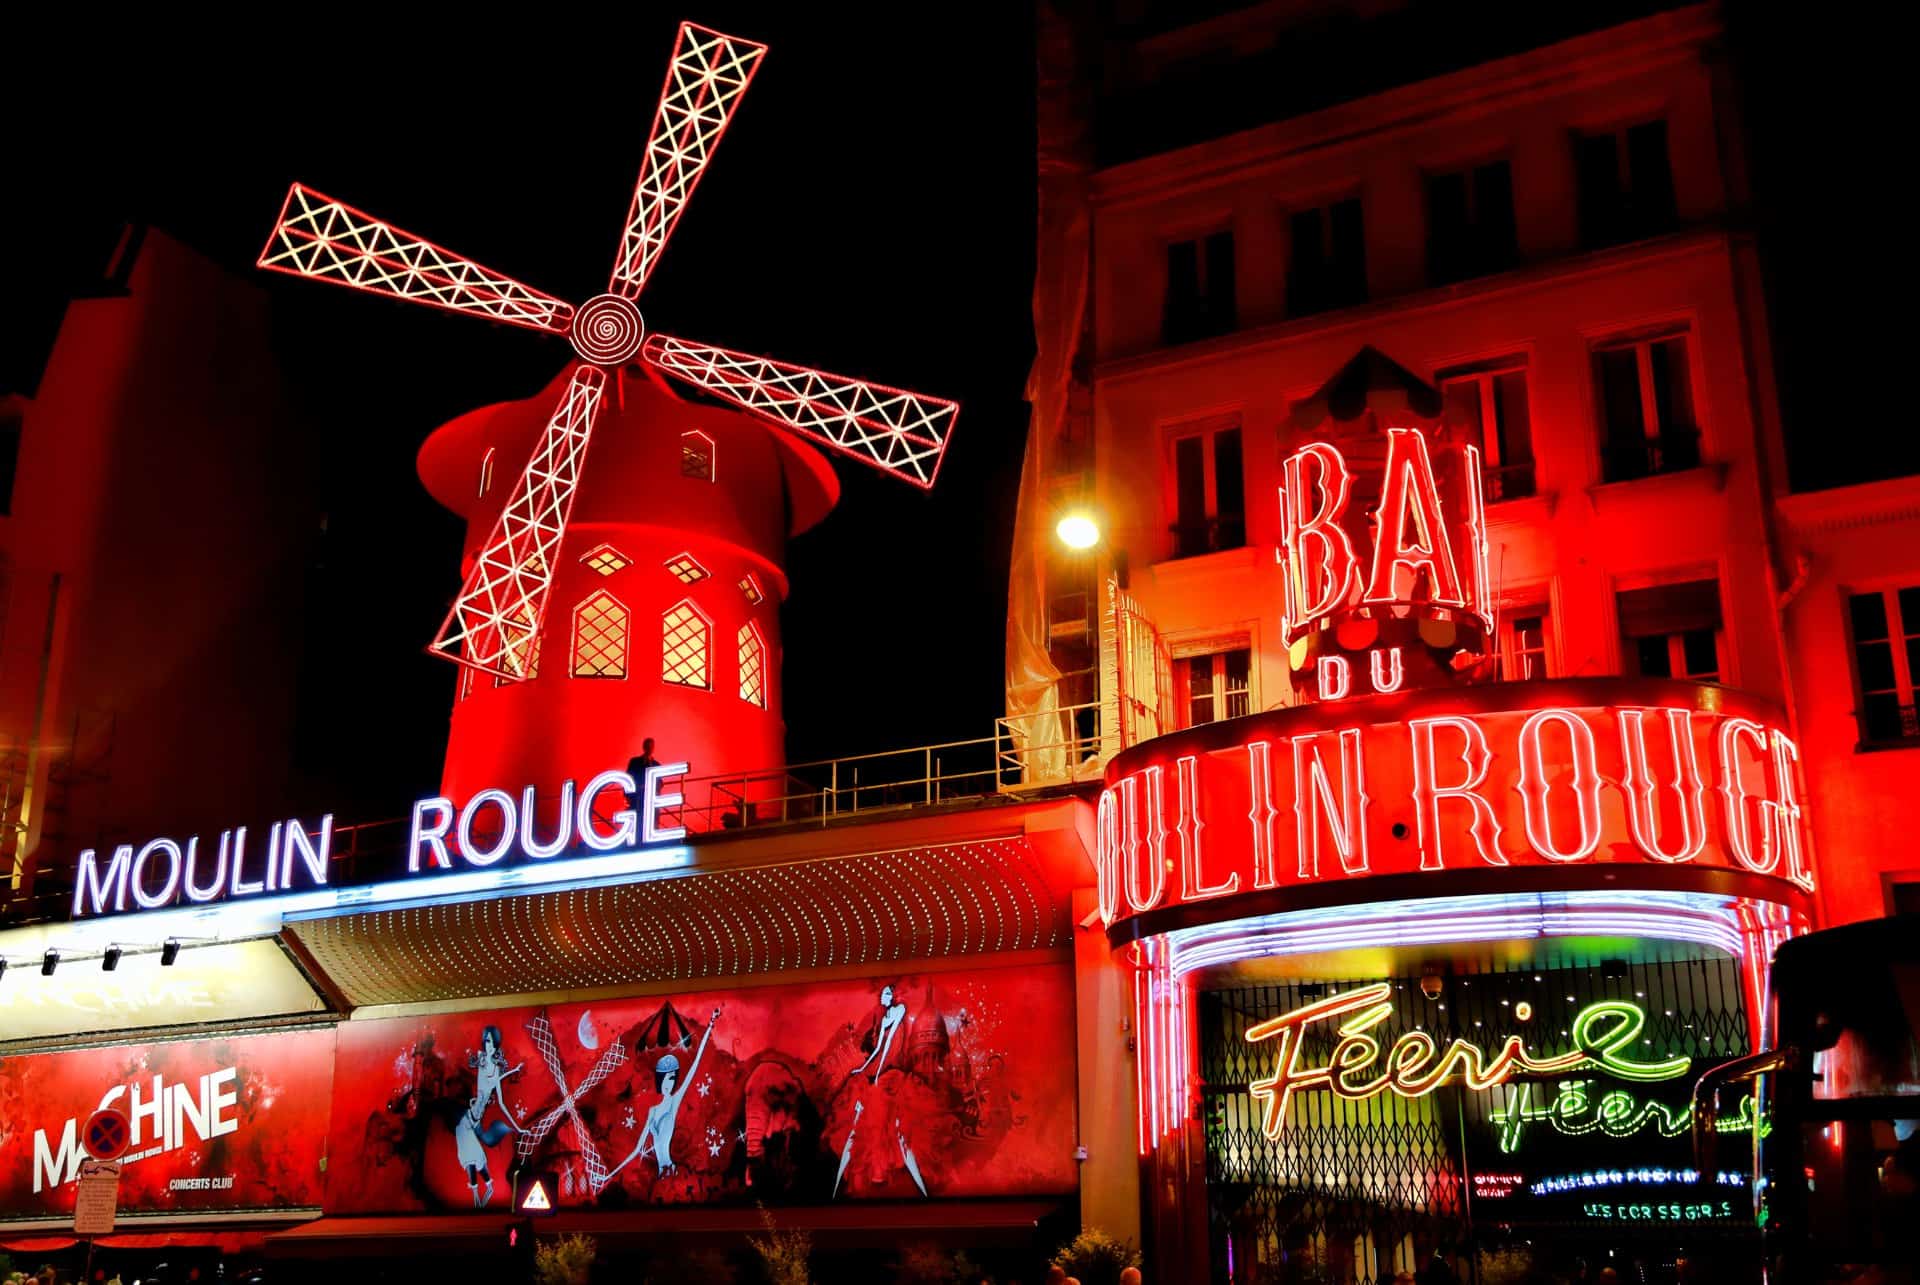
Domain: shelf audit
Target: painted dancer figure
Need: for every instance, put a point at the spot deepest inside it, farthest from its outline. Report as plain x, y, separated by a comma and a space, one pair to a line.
472, 1133
656, 1134
881, 1031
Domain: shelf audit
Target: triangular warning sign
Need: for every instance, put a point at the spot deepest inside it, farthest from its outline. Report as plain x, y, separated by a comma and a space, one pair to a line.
535, 1201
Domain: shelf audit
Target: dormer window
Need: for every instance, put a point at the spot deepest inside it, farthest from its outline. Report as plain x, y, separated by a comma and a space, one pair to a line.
696, 455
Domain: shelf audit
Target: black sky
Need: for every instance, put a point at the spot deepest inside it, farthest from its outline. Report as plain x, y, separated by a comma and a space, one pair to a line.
870, 212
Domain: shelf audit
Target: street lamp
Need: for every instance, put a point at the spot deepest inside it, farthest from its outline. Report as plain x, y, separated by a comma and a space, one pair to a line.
1078, 530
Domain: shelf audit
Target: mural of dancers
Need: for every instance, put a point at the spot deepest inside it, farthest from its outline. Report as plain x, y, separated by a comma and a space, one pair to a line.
472, 1132
657, 1134
883, 1029
831, 1091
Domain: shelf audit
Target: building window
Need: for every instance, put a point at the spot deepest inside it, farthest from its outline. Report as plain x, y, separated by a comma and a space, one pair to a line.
696, 456
600, 638
1200, 289
1209, 491
1903, 897
606, 559
687, 568
486, 472
1525, 653
1626, 184
684, 638
1673, 631
1644, 388
1470, 230
1489, 403
1216, 686
753, 666
1885, 625
527, 652
750, 590
1327, 258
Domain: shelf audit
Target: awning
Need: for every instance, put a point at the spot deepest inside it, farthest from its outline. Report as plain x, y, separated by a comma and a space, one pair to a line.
36, 1244
990, 1222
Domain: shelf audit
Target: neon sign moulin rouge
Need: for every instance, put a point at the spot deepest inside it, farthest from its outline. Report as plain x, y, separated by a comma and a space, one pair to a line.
1506, 777
487, 830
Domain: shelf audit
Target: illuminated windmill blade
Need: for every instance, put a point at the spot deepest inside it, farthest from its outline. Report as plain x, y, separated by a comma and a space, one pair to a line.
320, 238
903, 433
495, 622
705, 78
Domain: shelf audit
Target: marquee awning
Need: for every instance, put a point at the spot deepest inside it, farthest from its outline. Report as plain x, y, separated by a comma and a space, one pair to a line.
986, 881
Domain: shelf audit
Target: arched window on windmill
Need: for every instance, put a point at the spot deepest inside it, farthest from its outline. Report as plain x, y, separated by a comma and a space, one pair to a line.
685, 647
525, 653
600, 635
696, 455
753, 666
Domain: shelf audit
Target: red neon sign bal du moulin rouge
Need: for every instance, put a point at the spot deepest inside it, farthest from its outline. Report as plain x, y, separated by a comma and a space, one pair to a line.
1399, 758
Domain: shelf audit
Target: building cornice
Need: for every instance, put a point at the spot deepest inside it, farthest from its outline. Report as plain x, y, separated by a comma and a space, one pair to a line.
1363, 317
1598, 58
1895, 499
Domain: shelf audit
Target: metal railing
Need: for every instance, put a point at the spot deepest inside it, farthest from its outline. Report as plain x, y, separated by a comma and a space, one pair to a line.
1025, 753
1673, 451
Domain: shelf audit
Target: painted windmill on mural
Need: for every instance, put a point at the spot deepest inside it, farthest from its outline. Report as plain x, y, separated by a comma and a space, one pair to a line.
495, 622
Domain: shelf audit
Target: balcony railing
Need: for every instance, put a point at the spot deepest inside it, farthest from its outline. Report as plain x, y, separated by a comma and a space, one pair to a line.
1885, 726
1671, 452
1507, 481
1210, 535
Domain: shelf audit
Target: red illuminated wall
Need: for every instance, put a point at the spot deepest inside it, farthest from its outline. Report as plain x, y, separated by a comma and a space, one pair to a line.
242, 1123
635, 497
977, 1087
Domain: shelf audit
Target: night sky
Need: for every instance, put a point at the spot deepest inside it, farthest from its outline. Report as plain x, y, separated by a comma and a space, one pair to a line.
869, 212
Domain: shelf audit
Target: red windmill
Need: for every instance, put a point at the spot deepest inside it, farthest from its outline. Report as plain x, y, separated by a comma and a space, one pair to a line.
496, 621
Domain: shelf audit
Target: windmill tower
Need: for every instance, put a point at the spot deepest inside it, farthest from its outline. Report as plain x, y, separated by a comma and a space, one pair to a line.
638, 597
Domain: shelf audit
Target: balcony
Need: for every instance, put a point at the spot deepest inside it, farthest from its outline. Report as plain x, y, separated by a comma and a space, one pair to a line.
1212, 535
1674, 451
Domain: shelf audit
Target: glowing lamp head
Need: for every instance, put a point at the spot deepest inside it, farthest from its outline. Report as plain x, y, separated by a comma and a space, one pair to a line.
1078, 530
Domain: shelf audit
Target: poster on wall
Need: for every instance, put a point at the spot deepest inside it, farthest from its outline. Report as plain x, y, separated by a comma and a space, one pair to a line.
896, 1088
221, 1125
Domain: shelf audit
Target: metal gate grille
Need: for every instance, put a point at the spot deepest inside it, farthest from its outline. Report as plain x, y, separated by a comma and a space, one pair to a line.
1351, 1191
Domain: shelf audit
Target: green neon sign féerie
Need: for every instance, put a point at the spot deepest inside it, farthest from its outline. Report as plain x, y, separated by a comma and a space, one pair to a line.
1618, 1114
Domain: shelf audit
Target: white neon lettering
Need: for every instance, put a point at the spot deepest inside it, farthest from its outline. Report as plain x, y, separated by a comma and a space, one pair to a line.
1638, 784
1150, 842
1262, 813
89, 883
205, 892
313, 851
1386, 677
241, 886
530, 844
154, 900
1786, 763
657, 801
1320, 563
434, 837
1106, 855
1315, 811
625, 824
1188, 826
508, 818
1534, 785
1333, 676
1409, 492
1427, 792
1733, 794
1477, 534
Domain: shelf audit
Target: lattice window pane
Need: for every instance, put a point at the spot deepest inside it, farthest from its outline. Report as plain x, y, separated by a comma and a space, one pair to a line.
753, 667
687, 569
606, 559
527, 652
751, 588
684, 638
600, 638
696, 456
